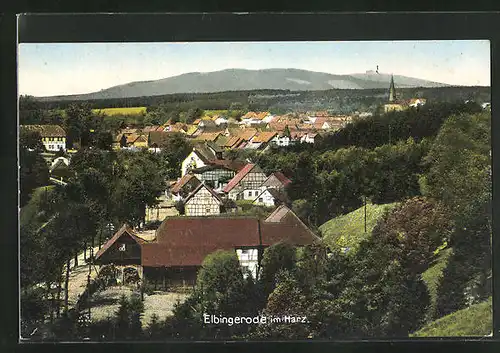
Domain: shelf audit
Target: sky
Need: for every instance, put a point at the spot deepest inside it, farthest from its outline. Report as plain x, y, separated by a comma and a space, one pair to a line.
46, 69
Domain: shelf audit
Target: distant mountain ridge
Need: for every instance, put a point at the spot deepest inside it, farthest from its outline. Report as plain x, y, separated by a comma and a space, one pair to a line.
242, 79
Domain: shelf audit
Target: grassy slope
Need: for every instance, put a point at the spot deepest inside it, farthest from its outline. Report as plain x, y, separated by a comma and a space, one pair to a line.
477, 320
433, 274
349, 230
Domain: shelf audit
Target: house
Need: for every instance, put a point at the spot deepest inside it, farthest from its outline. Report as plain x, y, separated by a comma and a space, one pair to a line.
53, 136
245, 185
202, 201
184, 186
232, 142
157, 140
276, 180
177, 127
220, 120
271, 197
308, 138
261, 139
60, 170
207, 123
281, 140
322, 123
217, 176
207, 136
252, 118
203, 154
181, 244
150, 128
123, 250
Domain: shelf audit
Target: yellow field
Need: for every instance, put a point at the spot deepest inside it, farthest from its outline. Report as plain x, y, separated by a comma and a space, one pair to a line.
215, 112
124, 111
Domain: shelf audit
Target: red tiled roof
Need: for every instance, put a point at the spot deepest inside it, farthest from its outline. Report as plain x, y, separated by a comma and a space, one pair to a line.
281, 177
125, 229
237, 178
247, 134
207, 136
186, 241
264, 137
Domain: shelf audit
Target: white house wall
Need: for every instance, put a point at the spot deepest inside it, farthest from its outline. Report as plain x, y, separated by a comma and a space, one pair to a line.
249, 259
54, 144
202, 204
192, 160
265, 199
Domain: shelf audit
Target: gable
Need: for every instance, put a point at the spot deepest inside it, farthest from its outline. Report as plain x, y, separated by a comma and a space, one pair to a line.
124, 246
202, 195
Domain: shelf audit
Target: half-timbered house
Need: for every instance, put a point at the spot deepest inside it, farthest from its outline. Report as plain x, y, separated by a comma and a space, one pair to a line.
246, 184
203, 201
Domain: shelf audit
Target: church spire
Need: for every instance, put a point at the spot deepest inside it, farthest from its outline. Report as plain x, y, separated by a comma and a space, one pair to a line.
392, 90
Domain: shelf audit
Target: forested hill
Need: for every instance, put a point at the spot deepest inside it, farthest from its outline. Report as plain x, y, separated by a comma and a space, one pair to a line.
240, 79
342, 101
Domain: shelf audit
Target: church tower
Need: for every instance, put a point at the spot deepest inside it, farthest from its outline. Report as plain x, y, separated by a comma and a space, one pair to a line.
392, 91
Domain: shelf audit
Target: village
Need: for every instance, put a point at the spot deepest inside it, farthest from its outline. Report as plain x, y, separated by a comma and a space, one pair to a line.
219, 201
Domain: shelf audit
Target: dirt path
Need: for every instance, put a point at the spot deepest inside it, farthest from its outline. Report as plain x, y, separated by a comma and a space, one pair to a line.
78, 278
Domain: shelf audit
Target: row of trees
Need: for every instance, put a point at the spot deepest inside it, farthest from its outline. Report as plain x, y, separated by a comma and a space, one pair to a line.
106, 188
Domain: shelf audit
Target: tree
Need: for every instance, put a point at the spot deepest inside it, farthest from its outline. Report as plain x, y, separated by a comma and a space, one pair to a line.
79, 121
122, 318
154, 328
459, 175
280, 256
104, 140
220, 290
136, 307
175, 149
138, 185
33, 173
193, 114
31, 140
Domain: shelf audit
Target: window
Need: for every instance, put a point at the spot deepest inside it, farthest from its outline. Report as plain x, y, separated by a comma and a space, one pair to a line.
207, 210
261, 199
244, 251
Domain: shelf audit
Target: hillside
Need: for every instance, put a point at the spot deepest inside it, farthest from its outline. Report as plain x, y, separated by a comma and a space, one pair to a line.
477, 320
347, 231
432, 276
241, 80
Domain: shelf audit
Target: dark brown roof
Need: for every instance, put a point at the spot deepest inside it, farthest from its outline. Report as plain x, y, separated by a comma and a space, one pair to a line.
46, 130
231, 164
159, 138
183, 182
282, 178
284, 225
186, 241
125, 229
276, 194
